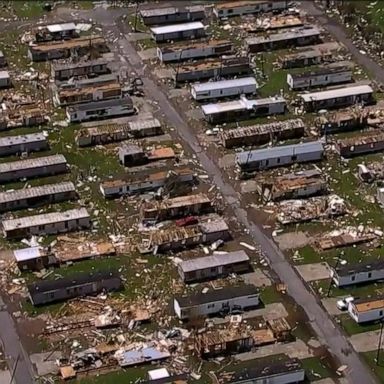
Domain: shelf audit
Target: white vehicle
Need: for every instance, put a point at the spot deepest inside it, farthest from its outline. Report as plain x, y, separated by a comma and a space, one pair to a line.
342, 304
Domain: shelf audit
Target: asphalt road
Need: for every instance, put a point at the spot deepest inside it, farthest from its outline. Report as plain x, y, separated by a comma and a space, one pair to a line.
17, 359
329, 334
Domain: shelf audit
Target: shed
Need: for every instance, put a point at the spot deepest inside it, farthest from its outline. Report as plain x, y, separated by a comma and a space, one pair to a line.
131, 154
5, 79
210, 267
225, 300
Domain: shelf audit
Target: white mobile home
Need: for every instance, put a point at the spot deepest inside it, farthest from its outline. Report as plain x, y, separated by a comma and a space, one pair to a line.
239, 8
100, 109
224, 88
223, 300
336, 73
243, 109
337, 98
193, 30
284, 155
367, 310
181, 52
358, 274
211, 267
46, 224
13, 145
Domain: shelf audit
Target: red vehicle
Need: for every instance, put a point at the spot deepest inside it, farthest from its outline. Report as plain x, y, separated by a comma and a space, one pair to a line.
185, 221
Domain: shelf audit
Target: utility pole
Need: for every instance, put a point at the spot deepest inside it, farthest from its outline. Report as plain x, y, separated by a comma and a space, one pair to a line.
14, 369
136, 12
334, 268
178, 67
379, 344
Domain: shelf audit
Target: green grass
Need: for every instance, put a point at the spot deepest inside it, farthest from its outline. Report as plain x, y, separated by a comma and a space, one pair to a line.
352, 328
370, 358
316, 368
270, 295
127, 376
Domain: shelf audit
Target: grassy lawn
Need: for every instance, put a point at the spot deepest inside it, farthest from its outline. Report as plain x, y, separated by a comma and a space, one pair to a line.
351, 327
370, 358
127, 376
270, 295
316, 369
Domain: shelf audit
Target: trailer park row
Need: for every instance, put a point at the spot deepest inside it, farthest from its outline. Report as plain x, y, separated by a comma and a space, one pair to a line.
110, 202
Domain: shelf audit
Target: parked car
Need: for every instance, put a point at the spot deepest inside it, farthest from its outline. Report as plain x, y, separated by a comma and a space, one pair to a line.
343, 303
185, 221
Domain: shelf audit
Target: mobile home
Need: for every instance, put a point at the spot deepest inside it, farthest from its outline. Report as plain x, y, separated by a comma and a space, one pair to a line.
299, 36
83, 284
15, 145
169, 15
223, 300
212, 267
37, 167
260, 159
337, 98
185, 31
37, 196
56, 32
100, 109
335, 73
243, 109
224, 88
366, 310
240, 8
66, 71
182, 52
369, 142
358, 274
46, 224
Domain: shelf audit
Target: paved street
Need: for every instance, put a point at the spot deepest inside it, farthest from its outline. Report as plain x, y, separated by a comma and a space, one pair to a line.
13, 350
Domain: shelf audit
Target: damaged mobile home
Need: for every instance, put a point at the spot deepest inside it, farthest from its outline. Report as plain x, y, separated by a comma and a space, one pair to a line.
100, 109
314, 55
169, 15
363, 273
213, 267
365, 143
51, 32
5, 79
323, 207
247, 7
262, 133
174, 239
295, 37
243, 109
331, 74
259, 159
341, 121
37, 196
337, 98
15, 145
224, 88
180, 52
243, 297
371, 172
64, 49
292, 186
115, 132
133, 155
154, 211
84, 284
212, 68
46, 224
185, 31
141, 183
37, 167
288, 371
62, 72
33, 258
